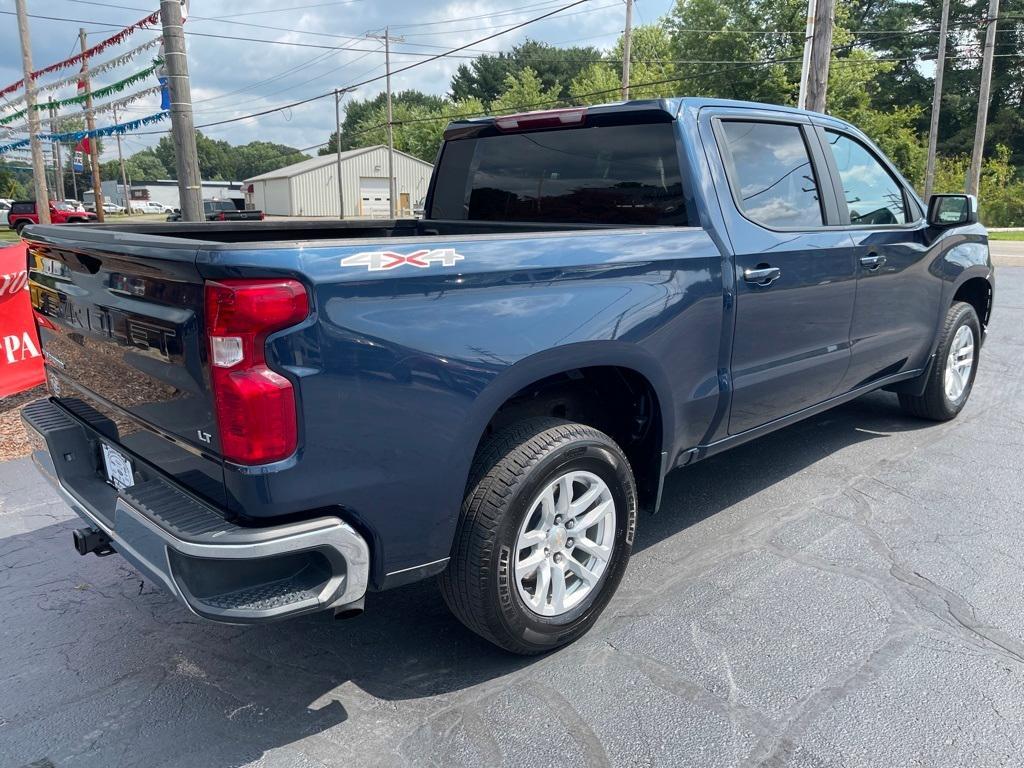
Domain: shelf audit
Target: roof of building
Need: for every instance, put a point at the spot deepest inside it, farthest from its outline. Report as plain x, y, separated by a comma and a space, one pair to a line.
320, 161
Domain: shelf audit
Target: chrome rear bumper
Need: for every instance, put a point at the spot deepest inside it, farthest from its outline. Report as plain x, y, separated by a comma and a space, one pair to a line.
220, 570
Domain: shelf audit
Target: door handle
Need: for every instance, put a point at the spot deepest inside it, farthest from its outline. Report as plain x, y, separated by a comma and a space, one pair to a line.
872, 261
762, 275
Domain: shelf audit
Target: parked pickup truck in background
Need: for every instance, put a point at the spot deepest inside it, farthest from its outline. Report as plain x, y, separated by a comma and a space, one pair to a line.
222, 210
23, 212
270, 419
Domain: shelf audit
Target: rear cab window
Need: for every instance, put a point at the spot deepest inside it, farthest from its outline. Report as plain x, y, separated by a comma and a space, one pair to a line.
771, 174
595, 174
23, 208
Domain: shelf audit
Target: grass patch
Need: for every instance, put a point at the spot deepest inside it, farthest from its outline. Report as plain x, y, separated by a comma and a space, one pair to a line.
8, 236
1015, 235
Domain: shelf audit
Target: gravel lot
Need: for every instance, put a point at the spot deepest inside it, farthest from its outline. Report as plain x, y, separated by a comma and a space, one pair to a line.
846, 592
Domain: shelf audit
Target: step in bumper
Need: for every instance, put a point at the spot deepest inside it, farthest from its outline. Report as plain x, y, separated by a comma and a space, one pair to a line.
220, 570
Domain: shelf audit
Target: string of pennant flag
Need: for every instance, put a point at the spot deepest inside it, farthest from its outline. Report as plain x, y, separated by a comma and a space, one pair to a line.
75, 136
78, 58
91, 72
81, 98
97, 109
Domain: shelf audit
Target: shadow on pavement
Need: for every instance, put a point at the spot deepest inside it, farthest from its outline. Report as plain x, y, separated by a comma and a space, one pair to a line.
95, 662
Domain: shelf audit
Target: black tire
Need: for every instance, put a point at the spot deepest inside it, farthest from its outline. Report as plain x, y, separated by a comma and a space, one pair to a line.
508, 473
934, 403
20, 227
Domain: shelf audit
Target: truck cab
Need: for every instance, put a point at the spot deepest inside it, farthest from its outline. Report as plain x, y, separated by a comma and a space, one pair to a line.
271, 418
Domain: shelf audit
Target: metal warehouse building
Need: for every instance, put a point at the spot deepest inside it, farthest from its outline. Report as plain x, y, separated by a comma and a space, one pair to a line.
310, 188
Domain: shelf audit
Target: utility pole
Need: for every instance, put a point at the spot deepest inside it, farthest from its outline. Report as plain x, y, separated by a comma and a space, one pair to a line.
974, 174
805, 68
56, 148
391, 136
337, 149
182, 125
820, 56
627, 43
38, 164
124, 176
933, 130
90, 124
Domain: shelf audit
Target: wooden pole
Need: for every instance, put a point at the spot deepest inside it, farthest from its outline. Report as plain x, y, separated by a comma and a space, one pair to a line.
90, 124
821, 55
337, 151
57, 161
933, 130
183, 132
38, 162
977, 154
627, 44
124, 175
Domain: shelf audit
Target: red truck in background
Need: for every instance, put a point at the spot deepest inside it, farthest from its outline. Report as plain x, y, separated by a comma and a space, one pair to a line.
23, 213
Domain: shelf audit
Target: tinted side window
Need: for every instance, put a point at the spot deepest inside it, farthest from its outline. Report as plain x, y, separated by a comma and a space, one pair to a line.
619, 174
23, 208
873, 196
772, 174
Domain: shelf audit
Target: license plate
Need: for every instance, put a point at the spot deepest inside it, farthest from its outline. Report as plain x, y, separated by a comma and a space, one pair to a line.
118, 468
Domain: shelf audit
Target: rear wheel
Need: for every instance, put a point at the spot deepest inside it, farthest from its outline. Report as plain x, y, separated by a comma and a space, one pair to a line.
20, 227
545, 534
951, 377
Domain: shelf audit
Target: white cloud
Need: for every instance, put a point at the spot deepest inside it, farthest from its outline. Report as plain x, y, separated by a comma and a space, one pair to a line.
231, 78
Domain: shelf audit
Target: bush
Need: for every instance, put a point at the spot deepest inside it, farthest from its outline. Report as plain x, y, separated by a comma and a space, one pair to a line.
1000, 194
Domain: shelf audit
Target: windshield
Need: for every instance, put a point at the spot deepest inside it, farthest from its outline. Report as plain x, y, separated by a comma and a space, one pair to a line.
621, 174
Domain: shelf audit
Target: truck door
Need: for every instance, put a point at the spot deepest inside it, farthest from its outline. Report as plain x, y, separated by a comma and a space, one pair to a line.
795, 274
897, 305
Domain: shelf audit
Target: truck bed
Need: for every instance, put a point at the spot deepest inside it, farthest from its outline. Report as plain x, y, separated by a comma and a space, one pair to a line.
291, 231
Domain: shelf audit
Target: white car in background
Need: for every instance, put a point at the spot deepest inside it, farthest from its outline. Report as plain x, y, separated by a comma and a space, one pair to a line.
5, 207
150, 206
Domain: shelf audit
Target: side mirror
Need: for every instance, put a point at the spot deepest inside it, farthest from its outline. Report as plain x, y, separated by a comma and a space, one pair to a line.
952, 210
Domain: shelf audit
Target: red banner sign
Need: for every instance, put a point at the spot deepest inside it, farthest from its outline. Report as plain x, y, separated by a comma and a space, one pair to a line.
21, 362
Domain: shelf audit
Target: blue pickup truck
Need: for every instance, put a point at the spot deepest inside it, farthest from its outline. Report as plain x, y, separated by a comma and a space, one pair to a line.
273, 418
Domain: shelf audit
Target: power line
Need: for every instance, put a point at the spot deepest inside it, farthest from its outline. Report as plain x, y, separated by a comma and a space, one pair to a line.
405, 68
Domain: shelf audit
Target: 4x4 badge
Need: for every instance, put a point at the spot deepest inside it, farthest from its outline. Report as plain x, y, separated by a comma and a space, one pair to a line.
377, 261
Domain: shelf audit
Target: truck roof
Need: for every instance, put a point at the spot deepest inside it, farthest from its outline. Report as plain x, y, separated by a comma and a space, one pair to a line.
641, 108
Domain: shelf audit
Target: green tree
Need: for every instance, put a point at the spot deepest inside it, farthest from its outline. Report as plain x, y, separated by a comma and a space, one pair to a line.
740, 49
218, 160
10, 186
486, 77
358, 111
1001, 192
418, 130
525, 91
651, 70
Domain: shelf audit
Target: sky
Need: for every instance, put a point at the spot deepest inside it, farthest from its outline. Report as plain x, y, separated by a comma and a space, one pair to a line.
231, 77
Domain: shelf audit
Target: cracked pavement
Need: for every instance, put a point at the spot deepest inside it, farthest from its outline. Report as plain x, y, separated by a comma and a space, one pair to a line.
845, 592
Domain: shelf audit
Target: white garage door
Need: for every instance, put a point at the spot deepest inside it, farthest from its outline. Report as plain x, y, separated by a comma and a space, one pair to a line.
373, 197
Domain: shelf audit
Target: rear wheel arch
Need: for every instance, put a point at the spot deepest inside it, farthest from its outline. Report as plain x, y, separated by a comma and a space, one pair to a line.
625, 396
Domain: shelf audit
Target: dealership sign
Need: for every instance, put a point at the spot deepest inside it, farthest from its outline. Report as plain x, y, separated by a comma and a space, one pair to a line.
21, 364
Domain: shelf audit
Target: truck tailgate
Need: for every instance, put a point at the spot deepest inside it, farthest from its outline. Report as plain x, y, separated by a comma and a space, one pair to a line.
122, 336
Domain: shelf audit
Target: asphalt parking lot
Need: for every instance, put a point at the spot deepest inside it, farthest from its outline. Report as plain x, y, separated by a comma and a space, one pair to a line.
846, 592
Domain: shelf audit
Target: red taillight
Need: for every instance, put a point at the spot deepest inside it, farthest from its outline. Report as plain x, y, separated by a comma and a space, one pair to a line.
255, 406
551, 118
